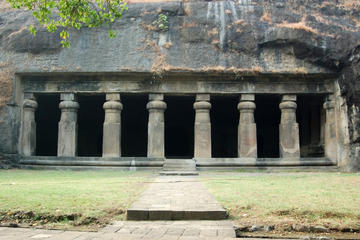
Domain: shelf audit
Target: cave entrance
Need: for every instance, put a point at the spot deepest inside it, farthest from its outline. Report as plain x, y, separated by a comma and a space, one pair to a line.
134, 120
90, 125
179, 127
311, 118
224, 123
267, 119
47, 118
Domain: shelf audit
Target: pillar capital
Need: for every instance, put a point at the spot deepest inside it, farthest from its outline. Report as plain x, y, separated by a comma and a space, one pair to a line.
246, 106
68, 105
202, 105
156, 104
30, 104
113, 105
288, 105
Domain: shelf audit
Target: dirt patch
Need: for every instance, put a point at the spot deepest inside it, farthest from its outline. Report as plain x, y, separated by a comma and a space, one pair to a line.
76, 220
295, 223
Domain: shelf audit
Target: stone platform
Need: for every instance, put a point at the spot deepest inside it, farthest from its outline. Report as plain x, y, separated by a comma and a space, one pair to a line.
176, 198
132, 230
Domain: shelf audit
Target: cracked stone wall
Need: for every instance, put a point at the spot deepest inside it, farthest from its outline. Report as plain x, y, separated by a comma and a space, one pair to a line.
243, 36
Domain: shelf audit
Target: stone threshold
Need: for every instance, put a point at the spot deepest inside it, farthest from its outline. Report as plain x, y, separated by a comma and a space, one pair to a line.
159, 162
265, 162
93, 161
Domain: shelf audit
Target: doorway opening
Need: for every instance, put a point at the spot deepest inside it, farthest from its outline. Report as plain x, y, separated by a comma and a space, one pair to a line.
134, 120
267, 119
311, 118
90, 125
47, 118
224, 117
179, 127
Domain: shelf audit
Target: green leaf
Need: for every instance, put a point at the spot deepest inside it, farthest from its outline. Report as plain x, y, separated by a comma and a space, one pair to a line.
32, 30
73, 14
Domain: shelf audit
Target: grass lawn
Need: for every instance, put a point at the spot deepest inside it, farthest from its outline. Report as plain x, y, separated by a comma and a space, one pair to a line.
329, 199
81, 198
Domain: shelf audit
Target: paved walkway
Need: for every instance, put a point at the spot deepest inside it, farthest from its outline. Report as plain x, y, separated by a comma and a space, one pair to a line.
132, 230
176, 198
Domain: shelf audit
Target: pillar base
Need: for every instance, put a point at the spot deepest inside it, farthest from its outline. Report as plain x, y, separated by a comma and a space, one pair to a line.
202, 140
112, 144
67, 141
247, 140
289, 140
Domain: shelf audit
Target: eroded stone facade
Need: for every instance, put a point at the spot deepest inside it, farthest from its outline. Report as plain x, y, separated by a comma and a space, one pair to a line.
243, 50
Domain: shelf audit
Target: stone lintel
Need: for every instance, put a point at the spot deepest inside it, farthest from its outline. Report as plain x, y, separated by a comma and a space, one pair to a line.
68, 97
113, 97
202, 97
247, 97
289, 97
156, 96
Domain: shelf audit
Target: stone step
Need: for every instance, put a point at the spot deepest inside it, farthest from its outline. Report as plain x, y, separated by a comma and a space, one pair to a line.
178, 173
181, 165
179, 169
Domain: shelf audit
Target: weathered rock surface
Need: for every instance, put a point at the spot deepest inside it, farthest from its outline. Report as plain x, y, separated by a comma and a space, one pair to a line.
239, 37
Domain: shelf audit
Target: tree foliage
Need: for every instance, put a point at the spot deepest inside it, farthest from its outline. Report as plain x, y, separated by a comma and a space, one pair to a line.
72, 14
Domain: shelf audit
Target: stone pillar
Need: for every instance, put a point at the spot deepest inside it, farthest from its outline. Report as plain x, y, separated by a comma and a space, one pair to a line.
29, 125
67, 137
289, 128
202, 127
247, 143
156, 126
330, 130
112, 126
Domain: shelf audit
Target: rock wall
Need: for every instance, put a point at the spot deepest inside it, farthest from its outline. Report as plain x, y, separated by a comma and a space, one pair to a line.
241, 37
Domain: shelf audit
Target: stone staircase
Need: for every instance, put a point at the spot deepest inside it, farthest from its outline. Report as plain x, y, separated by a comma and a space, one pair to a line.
183, 167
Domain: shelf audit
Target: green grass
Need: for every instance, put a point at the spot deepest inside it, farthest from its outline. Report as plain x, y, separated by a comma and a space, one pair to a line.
89, 193
321, 198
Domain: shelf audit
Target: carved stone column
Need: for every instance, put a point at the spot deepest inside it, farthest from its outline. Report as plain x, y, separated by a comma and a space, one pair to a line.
68, 127
112, 126
202, 126
156, 126
247, 143
29, 125
289, 128
330, 129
